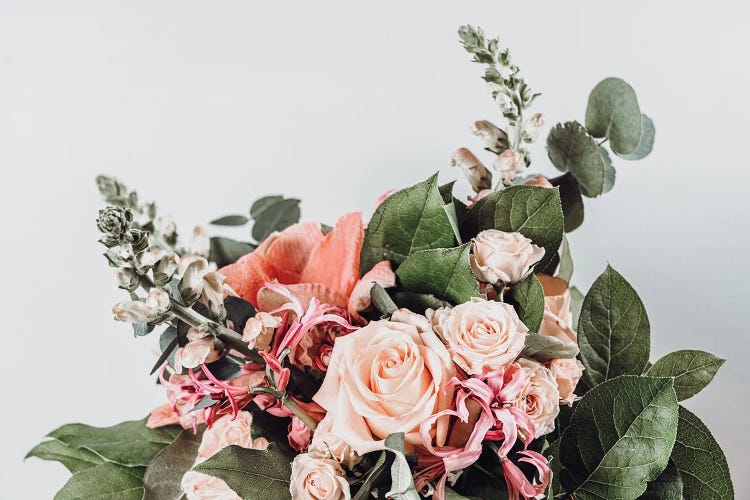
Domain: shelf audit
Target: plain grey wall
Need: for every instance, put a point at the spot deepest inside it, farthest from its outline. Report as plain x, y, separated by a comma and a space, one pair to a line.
206, 105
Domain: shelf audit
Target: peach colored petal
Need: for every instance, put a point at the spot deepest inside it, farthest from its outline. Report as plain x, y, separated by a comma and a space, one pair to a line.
248, 275
289, 252
359, 300
335, 262
268, 300
163, 415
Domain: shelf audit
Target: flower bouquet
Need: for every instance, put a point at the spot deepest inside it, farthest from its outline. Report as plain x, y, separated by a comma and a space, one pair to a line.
437, 350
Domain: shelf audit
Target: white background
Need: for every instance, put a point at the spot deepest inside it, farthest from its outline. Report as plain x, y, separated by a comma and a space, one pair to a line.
205, 106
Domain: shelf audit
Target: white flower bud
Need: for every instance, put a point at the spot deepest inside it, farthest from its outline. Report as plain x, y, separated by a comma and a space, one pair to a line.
479, 177
134, 312
510, 164
165, 268
158, 300
165, 225
504, 102
494, 138
191, 284
213, 293
120, 254
127, 279
200, 244
531, 128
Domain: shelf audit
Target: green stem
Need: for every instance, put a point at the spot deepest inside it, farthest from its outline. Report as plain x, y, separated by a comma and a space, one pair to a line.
299, 412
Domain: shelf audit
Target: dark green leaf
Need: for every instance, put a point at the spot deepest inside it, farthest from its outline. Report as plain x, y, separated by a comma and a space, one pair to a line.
527, 296
163, 475
128, 443
225, 251
533, 211
613, 112
543, 348
418, 302
692, 371
74, 459
668, 486
253, 474
104, 482
372, 479
273, 214
238, 312
168, 343
408, 221
570, 198
619, 438
647, 140
230, 220
442, 272
572, 149
613, 330
702, 465
142, 329
446, 192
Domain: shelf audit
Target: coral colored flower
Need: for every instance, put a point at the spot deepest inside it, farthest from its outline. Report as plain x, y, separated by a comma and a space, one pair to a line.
300, 434
539, 181
557, 315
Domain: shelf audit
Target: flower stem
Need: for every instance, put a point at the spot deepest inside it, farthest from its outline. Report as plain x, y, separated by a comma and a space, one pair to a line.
290, 403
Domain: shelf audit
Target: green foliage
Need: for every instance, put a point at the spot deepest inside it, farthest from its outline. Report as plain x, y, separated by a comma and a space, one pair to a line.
692, 370
613, 112
105, 481
572, 149
576, 302
533, 211
544, 348
565, 271
442, 272
613, 330
382, 301
225, 251
527, 296
668, 486
571, 201
273, 213
74, 459
392, 460
252, 474
408, 221
230, 220
619, 438
702, 465
164, 474
374, 477
647, 140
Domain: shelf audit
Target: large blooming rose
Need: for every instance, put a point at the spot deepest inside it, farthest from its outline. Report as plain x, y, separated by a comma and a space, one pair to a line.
557, 316
481, 334
385, 378
318, 478
540, 398
500, 257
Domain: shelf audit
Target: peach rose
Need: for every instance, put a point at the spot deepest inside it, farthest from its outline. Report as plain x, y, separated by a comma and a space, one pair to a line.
316, 478
385, 378
327, 445
500, 257
540, 398
223, 433
567, 374
510, 164
539, 181
480, 334
557, 316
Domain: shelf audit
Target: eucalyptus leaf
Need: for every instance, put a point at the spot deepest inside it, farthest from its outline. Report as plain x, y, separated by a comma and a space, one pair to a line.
646, 145
613, 330
252, 474
263, 203
668, 486
74, 459
225, 251
104, 482
619, 438
443, 272
565, 271
692, 370
272, 214
382, 301
544, 348
572, 149
609, 170
230, 220
402, 484
527, 296
613, 112
702, 465
571, 201
164, 474
533, 211
408, 221
142, 329
576, 302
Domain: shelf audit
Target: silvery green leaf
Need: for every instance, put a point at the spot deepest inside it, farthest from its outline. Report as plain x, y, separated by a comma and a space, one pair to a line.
702, 465
442, 272
373, 476
163, 475
692, 370
104, 482
402, 485
619, 438
613, 330
647, 140
609, 171
613, 112
565, 271
74, 459
572, 149
273, 213
576, 302
527, 297
230, 220
382, 301
544, 348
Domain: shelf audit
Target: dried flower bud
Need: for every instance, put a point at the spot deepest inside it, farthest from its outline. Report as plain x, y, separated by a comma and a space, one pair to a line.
134, 312
158, 300
165, 225
138, 240
127, 279
111, 189
213, 294
191, 283
504, 102
165, 268
114, 221
119, 255
494, 138
479, 177
510, 164
200, 244
531, 128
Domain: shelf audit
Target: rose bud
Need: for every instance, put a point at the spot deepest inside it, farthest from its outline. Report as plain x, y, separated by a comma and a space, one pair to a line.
510, 164
541, 399
314, 478
539, 181
567, 373
478, 175
500, 257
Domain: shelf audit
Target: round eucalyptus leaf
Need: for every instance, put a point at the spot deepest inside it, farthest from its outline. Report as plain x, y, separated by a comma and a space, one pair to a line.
647, 140
613, 112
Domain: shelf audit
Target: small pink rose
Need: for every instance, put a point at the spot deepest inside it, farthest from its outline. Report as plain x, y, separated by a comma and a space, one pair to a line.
540, 398
326, 444
500, 257
567, 373
316, 478
510, 164
539, 181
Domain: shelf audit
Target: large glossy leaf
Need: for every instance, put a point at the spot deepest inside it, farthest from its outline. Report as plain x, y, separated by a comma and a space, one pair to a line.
273, 213
442, 272
668, 486
527, 297
613, 330
613, 112
74, 459
619, 438
104, 482
128, 443
164, 474
692, 370
702, 465
532, 211
646, 145
572, 149
408, 221
253, 474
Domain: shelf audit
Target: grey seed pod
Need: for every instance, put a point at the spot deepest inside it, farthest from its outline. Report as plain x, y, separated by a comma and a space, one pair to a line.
115, 221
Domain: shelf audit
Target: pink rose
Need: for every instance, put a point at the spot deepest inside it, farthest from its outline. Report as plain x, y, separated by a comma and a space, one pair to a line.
481, 334
540, 398
326, 444
567, 373
385, 378
500, 257
557, 316
510, 164
539, 181
316, 478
